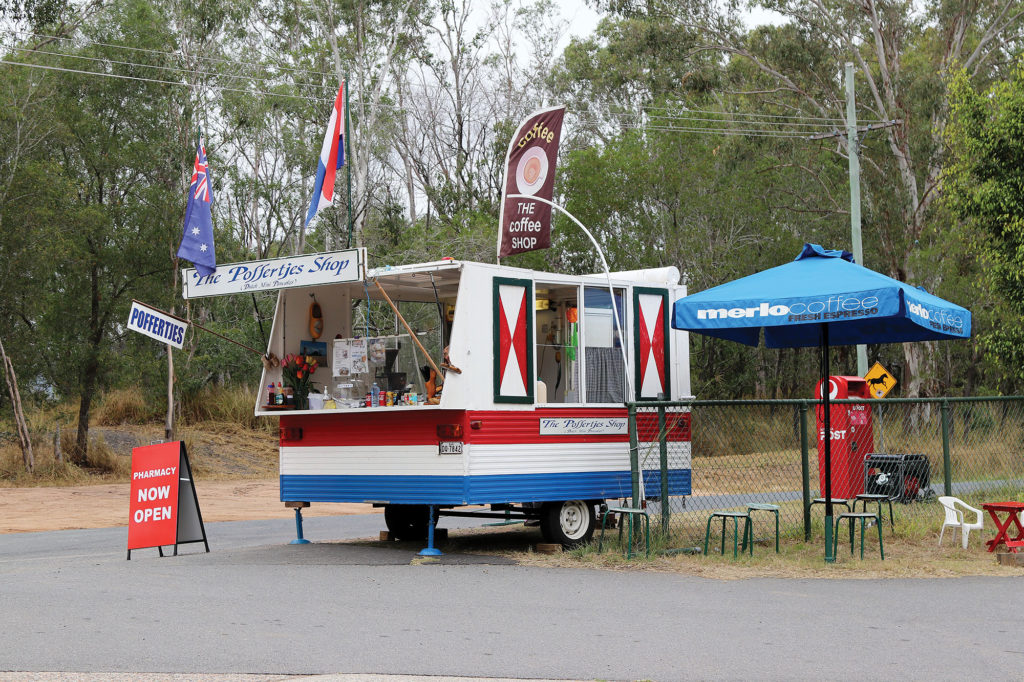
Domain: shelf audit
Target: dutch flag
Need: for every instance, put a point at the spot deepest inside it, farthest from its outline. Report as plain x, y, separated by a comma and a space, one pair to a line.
332, 157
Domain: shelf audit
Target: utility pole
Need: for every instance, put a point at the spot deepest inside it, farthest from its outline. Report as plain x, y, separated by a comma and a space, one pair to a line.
852, 146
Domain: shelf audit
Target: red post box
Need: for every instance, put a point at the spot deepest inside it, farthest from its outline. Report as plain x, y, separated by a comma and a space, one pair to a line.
852, 436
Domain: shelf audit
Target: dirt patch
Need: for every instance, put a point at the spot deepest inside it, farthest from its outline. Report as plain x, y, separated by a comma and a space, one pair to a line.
24, 510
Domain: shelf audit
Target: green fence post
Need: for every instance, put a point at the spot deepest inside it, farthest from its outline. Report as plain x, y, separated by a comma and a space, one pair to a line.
663, 451
634, 456
947, 469
805, 471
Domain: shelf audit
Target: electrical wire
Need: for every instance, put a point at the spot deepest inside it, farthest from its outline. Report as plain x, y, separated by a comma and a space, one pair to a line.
174, 69
161, 82
117, 46
790, 119
719, 129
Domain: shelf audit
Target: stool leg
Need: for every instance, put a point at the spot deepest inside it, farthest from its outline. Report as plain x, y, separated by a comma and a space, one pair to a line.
735, 536
629, 540
881, 549
850, 524
707, 534
748, 533
776, 530
647, 535
835, 538
892, 521
723, 536
600, 541
861, 539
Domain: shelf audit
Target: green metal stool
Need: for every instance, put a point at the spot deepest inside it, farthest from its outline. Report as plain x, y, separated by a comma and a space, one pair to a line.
836, 501
629, 512
864, 498
773, 508
850, 518
735, 516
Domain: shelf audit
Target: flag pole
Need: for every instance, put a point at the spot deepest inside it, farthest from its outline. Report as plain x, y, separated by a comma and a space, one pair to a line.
348, 165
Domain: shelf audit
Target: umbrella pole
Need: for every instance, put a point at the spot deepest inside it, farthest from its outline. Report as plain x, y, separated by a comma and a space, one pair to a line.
826, 398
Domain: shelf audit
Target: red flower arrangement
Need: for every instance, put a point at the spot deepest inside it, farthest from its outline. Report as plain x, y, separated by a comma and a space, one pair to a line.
297, 370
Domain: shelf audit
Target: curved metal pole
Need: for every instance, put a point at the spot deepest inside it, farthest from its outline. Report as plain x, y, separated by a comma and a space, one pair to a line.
608, 274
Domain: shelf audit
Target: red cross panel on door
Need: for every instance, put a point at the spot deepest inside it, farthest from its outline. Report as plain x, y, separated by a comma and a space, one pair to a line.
652, 343
513, 340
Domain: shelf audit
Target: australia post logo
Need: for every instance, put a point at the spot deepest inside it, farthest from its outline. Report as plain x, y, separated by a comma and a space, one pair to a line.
937, 318
836, 307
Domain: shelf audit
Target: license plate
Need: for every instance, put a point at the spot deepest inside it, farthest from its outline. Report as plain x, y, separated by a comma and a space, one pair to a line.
450, 447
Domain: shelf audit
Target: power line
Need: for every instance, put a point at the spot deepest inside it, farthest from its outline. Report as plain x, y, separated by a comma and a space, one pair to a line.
170, 54
173, 69
718, 130
220, 88
783, 119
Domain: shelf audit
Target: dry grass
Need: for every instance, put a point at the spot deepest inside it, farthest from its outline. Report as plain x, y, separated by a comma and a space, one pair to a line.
908, 554
224, 439
124, 406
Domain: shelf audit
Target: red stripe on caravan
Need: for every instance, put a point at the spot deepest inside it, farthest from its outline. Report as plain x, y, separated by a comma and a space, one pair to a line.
523, 426
497, 427
677, 426
372, 427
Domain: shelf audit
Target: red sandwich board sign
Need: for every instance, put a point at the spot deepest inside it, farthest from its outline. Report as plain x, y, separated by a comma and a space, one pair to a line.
163, 509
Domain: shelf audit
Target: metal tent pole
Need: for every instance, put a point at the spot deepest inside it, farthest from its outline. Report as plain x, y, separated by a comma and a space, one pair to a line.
826, 397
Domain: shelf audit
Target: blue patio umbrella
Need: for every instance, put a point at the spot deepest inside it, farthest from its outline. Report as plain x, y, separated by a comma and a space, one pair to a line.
821, 298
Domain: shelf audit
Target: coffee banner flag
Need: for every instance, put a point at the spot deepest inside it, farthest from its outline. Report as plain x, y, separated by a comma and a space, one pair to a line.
529, 171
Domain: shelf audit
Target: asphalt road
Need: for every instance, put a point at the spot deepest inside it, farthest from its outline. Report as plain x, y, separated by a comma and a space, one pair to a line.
70, 602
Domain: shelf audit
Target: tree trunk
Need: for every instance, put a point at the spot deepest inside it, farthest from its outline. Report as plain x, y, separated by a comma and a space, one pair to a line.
24, 437
80, 455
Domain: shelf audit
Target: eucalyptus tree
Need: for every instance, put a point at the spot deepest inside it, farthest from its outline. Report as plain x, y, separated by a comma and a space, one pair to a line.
984, 179
904, 53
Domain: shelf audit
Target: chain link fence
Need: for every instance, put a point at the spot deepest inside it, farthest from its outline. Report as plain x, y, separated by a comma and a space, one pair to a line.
736, 453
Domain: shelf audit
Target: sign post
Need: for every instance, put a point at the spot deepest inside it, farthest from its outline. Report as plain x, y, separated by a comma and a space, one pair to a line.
163, 509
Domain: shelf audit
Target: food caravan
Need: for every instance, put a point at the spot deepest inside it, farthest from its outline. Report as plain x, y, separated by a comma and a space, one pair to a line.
533, 373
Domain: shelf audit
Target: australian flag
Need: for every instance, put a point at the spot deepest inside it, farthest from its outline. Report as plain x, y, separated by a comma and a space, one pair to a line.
197, 240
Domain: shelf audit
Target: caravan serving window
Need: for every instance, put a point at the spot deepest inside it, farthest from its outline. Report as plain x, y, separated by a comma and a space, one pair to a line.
605, 378
578, 348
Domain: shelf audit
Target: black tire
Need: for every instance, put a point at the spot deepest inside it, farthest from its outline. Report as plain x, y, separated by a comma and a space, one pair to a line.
407, 521
570, 523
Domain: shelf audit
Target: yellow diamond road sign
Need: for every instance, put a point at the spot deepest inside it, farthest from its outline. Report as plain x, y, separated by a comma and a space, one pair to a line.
880, 382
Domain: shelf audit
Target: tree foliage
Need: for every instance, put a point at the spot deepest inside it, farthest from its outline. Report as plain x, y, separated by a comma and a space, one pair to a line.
985, 191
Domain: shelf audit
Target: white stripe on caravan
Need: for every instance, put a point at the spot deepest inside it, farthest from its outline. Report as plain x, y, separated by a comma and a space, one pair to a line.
481, 460
551, 458
369, 460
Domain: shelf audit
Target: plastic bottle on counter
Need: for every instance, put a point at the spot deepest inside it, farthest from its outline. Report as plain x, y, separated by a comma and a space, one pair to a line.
375, 395
279, 396
270, 394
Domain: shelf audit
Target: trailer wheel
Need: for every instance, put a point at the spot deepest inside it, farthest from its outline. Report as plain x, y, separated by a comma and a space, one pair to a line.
570, 523
407, 521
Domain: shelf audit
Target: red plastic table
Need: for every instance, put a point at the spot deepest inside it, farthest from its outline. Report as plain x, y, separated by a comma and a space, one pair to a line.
1012, 511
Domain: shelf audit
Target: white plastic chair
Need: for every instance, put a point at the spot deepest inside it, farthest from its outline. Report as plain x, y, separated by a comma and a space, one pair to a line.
955, 518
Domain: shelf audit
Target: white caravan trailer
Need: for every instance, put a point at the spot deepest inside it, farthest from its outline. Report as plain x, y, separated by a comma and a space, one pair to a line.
535, 423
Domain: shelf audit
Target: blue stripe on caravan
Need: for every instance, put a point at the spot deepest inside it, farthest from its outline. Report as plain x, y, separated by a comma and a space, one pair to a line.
398, 489
679, 482
476, 489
